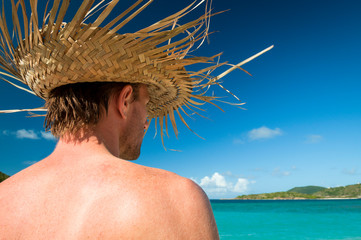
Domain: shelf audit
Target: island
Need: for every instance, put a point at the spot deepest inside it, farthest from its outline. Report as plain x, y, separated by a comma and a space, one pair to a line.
3, 176
309, 192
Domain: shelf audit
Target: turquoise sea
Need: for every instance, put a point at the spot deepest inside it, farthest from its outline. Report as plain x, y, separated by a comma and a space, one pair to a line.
288, 219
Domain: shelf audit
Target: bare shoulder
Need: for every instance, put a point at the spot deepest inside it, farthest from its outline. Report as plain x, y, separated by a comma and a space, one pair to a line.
183, 204
175, 186
187, 191
197, 211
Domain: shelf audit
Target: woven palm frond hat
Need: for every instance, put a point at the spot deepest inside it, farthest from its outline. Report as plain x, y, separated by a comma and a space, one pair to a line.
48, 53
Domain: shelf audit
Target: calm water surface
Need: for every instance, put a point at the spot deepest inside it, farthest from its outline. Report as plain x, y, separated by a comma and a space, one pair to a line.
288, 219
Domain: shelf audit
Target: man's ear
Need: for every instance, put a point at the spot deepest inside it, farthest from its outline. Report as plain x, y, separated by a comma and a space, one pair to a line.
124, 100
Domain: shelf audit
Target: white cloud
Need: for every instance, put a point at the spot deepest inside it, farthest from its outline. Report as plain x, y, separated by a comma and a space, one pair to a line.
314, 138
28, 134
47, 135
258, 169
238, 141
241, 185
218, 184
228, 173
29, 162
264, 133
232, 175
6, 132
277, 172
351, 172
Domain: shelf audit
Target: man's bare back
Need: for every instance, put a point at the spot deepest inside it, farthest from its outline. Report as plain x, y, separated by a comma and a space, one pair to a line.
97, 198
85, 190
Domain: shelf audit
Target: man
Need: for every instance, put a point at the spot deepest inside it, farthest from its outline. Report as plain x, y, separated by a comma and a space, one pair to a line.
86, 190
100, 88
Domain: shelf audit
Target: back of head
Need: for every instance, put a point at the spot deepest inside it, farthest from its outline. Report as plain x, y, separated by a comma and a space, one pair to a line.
80, 106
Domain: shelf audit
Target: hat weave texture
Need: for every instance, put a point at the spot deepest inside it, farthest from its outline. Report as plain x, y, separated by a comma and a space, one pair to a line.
53, 53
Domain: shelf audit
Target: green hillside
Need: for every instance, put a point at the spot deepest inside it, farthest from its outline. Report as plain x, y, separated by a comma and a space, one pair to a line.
278, 195
3, 176
307, 189
350, 191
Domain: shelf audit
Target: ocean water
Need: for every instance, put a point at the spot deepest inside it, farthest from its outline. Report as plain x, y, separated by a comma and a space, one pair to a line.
288, 219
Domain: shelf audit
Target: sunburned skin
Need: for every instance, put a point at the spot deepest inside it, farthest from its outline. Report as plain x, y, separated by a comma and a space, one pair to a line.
85, 191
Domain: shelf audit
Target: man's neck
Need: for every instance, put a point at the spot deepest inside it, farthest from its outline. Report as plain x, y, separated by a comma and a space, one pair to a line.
89, 145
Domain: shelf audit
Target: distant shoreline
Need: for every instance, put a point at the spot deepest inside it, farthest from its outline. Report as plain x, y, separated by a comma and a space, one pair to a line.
348, 192
240, 199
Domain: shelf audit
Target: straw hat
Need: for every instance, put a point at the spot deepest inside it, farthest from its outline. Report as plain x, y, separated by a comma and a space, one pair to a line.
52, 53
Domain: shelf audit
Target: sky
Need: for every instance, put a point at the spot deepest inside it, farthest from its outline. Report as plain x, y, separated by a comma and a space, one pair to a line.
302, 119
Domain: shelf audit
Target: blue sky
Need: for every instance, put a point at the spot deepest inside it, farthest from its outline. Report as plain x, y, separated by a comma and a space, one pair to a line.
302, 125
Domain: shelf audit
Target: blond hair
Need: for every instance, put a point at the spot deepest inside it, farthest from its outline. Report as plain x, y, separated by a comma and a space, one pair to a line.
73, 107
